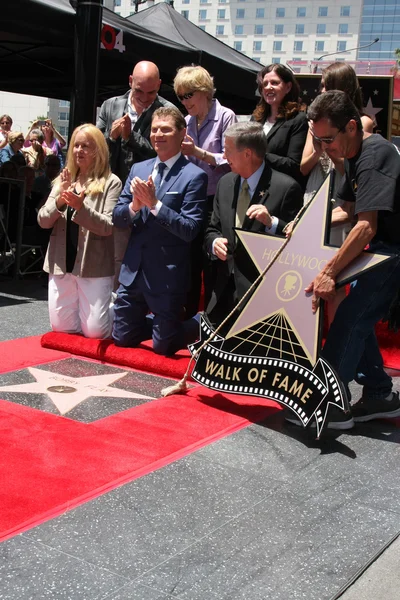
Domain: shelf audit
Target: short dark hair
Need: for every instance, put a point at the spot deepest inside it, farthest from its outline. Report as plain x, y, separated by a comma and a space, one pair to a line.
250, 135
335, 106
170, 111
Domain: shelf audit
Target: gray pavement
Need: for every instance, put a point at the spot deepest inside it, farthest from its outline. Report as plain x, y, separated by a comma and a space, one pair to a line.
23, 311
380, 580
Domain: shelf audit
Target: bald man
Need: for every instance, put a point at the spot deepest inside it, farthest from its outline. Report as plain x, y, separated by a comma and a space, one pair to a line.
126, 120
126, 124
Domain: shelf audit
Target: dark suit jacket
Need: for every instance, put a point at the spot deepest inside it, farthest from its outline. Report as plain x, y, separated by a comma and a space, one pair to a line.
123, 154
286, 140
159, 245
283, 198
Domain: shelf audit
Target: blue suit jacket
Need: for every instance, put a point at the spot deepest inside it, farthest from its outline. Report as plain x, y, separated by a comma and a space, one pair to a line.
159, 245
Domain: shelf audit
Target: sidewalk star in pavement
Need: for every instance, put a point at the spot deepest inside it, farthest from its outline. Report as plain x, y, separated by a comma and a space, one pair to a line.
67, 392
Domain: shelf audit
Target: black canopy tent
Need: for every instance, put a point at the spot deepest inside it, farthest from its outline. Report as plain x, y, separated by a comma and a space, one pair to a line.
37, 50
37, 53
234, 73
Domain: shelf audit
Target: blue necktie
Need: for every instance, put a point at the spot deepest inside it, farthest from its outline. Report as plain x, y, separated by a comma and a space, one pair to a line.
161, 168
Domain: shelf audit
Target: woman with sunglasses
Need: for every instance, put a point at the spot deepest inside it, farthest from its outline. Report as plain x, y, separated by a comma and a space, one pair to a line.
316, 163
283, 120
14, 147
203, 145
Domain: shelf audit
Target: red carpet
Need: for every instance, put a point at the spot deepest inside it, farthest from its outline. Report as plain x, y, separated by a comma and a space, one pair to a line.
144, 359
389, 344
50, 464
26, 352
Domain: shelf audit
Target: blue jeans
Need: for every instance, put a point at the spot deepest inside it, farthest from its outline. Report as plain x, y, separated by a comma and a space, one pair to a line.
351, 346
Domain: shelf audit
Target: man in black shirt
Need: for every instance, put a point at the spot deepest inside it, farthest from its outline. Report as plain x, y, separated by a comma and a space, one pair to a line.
370, 192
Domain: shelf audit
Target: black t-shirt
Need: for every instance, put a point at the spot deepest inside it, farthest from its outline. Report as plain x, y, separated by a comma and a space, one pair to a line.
372, 181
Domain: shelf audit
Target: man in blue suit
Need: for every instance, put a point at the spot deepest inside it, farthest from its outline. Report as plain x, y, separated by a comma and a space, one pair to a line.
164, 204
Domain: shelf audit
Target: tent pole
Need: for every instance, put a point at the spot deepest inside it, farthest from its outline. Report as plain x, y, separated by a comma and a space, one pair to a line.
86, 52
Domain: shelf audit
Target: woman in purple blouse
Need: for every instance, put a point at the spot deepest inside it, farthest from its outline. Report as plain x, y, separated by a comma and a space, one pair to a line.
206, 124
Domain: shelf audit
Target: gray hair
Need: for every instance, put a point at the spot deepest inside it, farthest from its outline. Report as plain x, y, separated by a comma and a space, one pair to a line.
248, 135
39, 133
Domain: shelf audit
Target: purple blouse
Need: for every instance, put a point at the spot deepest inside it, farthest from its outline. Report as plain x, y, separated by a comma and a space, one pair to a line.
210, 137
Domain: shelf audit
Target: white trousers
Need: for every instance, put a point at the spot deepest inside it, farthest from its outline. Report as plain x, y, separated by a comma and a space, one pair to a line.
81, 305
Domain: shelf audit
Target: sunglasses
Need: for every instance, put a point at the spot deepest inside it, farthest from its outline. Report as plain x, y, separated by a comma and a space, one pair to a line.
327, 140
185, 96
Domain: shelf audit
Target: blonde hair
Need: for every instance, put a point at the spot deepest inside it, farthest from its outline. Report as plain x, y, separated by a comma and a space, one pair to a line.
14, 135
100, 169
194, 79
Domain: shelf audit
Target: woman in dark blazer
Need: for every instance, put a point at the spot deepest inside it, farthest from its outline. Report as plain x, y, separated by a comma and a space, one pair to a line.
285, 124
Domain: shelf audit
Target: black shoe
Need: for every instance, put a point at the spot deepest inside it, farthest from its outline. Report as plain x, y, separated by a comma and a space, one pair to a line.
336, 419
368, 410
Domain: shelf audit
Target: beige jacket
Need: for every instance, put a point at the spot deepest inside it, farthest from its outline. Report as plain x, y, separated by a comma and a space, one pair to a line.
95, 255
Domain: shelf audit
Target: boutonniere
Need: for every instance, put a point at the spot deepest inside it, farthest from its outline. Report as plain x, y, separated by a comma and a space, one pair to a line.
262, 193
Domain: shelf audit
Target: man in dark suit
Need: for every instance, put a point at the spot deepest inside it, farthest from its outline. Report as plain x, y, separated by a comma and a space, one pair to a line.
253, 197
164, 204
126, 120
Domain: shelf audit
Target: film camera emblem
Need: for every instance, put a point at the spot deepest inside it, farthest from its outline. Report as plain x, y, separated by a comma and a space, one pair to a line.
288, 286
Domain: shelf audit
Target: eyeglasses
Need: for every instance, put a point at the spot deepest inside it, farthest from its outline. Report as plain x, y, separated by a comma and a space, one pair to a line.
327, 140
185, 96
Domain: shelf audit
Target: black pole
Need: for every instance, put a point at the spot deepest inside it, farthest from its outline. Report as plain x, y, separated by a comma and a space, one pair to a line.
86, 51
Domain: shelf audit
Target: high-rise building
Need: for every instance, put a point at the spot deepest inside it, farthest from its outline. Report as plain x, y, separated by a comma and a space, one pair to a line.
281, 30
380, 19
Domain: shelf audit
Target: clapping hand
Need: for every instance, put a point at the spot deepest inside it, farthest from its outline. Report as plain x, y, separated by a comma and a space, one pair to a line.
144, 192
188, 146
121, 128
126, 127
72, 199
66, 181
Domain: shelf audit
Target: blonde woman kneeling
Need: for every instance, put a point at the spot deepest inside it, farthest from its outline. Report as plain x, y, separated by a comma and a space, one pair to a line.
80, 255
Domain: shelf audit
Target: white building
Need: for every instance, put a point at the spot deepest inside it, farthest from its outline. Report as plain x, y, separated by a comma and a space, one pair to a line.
22, 109
278, 31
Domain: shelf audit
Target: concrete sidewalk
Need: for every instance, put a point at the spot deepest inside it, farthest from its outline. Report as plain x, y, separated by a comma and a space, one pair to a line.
23, 312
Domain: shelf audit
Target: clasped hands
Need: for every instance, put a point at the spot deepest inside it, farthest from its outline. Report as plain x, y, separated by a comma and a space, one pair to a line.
67, 195
143, 193
121, 128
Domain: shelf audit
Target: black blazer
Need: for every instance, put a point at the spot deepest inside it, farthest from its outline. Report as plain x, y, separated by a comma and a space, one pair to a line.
286, 141
283, 198
123, 154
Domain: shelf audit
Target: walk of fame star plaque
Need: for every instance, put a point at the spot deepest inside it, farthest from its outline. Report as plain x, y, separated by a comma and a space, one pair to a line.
272, 348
